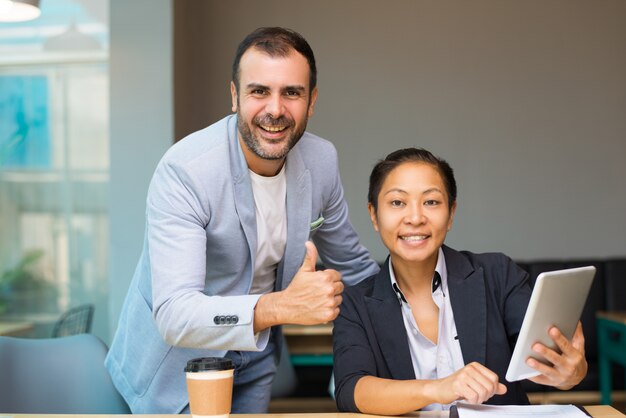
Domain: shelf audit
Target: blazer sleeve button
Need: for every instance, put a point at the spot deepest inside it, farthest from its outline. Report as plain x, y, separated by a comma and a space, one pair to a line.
235, 319
216, 320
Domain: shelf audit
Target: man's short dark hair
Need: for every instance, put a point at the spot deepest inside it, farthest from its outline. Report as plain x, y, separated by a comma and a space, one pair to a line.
276, 42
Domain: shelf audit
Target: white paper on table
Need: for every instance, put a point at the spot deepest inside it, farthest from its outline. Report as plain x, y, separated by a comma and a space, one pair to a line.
519, 411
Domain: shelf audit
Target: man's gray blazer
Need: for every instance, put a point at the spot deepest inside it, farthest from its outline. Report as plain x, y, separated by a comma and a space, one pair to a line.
189, 295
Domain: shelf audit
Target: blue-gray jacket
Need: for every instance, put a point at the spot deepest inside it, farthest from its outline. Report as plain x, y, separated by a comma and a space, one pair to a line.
189, 294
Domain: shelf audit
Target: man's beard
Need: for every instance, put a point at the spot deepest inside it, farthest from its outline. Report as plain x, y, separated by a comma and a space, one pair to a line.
255, 145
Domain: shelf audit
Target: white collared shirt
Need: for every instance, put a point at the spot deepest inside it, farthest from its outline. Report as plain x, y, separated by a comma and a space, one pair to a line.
430, 360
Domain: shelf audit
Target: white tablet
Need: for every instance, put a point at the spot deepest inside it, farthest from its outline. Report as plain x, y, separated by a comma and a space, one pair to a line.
558, 299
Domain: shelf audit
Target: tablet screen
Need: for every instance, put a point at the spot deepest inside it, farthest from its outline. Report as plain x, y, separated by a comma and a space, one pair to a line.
558, 299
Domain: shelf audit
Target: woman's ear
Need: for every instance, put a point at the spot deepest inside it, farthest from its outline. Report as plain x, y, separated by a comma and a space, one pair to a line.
451, 218
373, 217
312, 102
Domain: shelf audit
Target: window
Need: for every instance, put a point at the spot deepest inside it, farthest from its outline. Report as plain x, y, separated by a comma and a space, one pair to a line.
54, 164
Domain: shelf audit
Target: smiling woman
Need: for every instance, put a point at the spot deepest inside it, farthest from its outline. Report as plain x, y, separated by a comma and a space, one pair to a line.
413, 216
414, 336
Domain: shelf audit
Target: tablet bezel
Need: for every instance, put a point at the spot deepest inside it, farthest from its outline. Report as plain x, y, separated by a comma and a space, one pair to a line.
558, 299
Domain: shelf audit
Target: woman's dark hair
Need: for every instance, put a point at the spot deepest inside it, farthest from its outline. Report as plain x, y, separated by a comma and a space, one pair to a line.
276, 42
418, 155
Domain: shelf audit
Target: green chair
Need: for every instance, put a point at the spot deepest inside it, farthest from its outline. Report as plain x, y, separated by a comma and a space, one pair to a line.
63, 375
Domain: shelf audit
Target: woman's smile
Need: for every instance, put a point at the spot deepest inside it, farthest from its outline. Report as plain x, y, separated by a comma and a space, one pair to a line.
413, 216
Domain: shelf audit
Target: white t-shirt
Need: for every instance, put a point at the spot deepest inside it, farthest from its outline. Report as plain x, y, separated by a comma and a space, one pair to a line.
270, 194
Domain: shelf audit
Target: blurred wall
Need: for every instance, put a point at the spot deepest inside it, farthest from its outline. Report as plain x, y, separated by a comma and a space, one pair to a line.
141, 128
526, 100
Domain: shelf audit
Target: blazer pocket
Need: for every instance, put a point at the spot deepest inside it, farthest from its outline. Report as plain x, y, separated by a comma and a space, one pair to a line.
316, 224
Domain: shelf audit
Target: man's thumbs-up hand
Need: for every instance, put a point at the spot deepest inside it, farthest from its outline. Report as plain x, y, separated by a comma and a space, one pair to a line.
313, 297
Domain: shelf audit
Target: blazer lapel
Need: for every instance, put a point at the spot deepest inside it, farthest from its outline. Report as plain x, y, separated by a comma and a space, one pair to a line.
469, 305
244, 198
298, 213
386, 315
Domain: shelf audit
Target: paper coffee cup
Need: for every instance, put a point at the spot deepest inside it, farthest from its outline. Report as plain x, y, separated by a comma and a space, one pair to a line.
210, 386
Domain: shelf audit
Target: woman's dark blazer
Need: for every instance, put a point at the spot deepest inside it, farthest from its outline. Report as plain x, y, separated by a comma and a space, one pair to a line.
489, 294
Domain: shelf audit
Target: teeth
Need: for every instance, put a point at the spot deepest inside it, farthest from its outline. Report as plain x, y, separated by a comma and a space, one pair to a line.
273, 128
414, 237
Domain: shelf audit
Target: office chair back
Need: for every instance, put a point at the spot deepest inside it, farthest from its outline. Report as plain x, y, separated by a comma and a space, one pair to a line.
74, 321
57, 376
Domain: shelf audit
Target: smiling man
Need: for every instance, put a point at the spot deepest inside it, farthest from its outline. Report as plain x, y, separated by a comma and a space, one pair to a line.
277, 98
226, 257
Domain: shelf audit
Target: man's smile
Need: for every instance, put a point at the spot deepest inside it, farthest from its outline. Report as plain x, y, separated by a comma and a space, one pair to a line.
270, 128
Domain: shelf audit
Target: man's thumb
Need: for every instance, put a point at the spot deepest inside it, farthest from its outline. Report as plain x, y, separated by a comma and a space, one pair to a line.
311, 257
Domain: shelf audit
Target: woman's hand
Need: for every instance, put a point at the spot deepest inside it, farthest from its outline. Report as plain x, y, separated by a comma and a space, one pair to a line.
568, 368
474, 383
